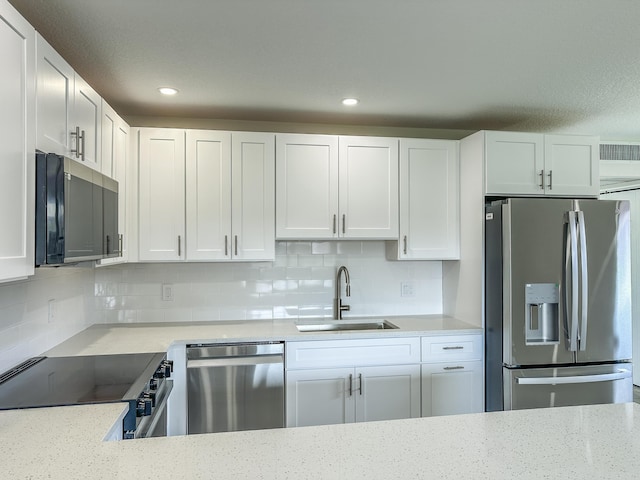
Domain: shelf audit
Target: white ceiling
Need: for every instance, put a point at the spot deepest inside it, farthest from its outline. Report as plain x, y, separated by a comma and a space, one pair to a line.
532, 65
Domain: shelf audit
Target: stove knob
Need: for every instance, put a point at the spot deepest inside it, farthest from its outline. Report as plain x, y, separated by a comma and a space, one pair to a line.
153, 384
168, 367
143, 407
151, 396
159, 373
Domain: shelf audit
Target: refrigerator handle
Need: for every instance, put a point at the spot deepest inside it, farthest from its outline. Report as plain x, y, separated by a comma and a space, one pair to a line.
573, 237
604, 377
584, 277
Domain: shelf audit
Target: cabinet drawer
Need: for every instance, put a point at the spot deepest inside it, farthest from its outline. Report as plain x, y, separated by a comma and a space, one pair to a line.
451, 347
345, 353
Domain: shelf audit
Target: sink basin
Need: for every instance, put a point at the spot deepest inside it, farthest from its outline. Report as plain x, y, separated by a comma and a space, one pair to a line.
344, 325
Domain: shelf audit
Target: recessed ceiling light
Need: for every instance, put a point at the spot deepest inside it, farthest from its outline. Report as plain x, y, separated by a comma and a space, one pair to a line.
168, 90
349, 102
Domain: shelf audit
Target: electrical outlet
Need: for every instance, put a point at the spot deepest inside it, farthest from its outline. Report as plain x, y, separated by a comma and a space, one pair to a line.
52, 310
406, 289
167, 292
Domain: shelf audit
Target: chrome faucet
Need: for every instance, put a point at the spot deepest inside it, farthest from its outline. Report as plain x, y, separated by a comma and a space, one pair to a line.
338, 307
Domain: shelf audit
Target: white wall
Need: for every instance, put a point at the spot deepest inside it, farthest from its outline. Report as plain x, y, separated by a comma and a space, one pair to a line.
299, 283
25, 329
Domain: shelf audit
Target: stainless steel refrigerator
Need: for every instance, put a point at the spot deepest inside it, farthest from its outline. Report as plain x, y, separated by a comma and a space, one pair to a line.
557, 303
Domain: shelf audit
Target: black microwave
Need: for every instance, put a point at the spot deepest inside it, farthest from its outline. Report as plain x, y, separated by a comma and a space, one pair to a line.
76, 212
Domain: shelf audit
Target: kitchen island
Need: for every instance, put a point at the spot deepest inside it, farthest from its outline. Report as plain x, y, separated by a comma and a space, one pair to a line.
587, 442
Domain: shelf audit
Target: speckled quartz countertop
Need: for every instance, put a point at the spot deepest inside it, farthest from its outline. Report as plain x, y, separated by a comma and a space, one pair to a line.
141, 337
589, 442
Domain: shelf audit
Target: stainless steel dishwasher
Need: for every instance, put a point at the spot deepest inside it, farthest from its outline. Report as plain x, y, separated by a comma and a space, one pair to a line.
232, 387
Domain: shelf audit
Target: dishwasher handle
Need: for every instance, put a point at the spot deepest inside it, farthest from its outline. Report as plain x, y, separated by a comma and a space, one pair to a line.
234, 361
230, 350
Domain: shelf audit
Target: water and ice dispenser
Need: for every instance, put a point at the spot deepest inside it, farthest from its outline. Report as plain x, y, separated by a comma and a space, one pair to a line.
542, 319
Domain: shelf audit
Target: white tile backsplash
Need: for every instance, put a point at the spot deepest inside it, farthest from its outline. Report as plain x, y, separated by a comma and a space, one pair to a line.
299, 283
25, 328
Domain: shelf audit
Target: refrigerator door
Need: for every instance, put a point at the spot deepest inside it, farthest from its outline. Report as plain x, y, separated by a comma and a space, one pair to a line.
604, 332
565, 386
536, 310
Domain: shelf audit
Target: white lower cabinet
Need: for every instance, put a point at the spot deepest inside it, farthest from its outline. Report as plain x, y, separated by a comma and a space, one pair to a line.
451, 388
358, 387
452, 375
344, 395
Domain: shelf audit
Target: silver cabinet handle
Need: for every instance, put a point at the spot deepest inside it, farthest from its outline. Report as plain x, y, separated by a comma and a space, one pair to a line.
455, 347
108, 248
179, 246
361, 384
76, 135
350, 385
344, 223
404, 248
457, 367
226, 248
550, 175
541, 175
334, 224
82, 137
235, 245
120, 244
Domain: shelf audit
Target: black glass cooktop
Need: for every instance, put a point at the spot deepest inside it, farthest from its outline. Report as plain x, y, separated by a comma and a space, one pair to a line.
54, 381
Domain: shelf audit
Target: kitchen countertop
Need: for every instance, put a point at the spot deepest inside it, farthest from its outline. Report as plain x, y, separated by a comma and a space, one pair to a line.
587, 442
106, 339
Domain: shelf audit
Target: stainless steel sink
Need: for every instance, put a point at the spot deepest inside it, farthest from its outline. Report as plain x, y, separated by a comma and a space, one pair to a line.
344, 325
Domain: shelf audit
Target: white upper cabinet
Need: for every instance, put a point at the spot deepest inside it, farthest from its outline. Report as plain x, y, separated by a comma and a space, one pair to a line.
533, 164
205, 195
306, 186
429, 201
161, 194
17, 139
253, 159
336, 187
68, 109
230, 196
572, 165
368, 187
86, 119
115, 160
208, 201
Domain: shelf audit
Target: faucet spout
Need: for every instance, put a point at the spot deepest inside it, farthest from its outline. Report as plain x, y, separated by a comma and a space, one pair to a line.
338, 306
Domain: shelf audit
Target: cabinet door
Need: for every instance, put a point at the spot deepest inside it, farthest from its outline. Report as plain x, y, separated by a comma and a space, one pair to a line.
115, 161
452, 388
572, 165
121, 165
320, 397
161, 193
429, 200
368, 187
307, 186
208, 192
514, 163
87, 118
253, 196
387, 392
17, 138
109, 122
55, 90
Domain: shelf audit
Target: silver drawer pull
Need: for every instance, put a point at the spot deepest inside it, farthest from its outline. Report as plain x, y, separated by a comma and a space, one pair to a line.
458, 367
456, 347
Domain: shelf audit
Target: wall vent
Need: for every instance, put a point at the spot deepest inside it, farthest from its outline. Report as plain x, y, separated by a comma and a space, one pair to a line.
619, 151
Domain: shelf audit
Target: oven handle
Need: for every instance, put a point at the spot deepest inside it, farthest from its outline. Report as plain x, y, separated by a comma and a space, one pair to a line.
605, 377
148, 424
